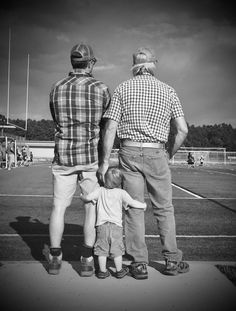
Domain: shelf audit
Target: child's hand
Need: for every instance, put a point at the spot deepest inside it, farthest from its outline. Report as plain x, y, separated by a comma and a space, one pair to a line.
82, 197
85, 199
144, 206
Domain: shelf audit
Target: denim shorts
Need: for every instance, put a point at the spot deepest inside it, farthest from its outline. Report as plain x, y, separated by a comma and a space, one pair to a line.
109, 240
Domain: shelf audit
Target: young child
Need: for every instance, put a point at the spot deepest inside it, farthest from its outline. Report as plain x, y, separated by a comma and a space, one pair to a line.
110, 199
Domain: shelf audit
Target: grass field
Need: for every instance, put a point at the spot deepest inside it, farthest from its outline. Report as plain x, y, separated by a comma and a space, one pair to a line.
205, 209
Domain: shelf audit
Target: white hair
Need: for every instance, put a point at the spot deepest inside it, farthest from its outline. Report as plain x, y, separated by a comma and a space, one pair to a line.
144, 67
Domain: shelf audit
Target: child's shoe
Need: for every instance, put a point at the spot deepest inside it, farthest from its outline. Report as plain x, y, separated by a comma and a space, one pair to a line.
123, 272
103, 275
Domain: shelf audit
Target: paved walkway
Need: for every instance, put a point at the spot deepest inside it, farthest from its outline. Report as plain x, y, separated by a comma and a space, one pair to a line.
26, 286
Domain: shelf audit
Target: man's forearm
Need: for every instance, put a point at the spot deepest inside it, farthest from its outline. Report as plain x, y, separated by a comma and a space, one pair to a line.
108, 139
179, 139
182, 132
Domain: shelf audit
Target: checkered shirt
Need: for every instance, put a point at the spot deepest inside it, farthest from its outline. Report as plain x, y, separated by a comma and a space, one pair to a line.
77, 104
143, 107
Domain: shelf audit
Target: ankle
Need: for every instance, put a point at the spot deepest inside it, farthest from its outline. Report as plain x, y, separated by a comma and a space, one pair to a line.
55, 252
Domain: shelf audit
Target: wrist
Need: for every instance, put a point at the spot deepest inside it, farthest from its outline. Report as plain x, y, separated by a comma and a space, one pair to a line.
105, 162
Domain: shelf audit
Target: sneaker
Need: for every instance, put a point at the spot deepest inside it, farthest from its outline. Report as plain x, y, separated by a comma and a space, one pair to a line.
87, 267
54, 265
103, 275
174, 268
123, 272
139, 270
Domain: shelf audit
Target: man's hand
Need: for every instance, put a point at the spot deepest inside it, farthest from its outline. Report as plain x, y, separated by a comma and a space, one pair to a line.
107, 144
101, 172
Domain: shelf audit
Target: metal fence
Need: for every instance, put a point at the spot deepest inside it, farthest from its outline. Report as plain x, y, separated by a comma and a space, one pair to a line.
209, 156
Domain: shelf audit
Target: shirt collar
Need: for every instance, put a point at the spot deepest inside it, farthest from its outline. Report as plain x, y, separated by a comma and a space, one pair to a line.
144, 74
80, 72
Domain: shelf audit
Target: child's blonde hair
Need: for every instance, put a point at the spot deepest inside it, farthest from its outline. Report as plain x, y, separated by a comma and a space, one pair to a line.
113, 178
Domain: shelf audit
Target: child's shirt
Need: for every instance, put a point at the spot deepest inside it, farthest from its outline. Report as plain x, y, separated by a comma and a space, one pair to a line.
109, 205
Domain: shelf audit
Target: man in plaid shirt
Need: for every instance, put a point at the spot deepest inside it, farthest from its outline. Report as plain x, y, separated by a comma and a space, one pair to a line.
140, 111
77, 104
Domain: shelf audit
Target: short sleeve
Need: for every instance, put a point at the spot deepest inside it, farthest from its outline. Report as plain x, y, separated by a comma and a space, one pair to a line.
177, 110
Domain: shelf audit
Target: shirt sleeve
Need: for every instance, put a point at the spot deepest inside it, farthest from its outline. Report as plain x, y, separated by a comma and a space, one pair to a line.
93, 195
177, 110
114, 110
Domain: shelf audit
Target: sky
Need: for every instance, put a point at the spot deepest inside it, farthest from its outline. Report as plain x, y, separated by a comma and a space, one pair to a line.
194, 42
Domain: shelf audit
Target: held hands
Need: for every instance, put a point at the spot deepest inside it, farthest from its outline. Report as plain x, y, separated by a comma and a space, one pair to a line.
144, 206
86, 200
101, 172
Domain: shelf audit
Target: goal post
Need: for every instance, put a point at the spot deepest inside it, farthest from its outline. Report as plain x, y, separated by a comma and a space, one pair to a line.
208, 154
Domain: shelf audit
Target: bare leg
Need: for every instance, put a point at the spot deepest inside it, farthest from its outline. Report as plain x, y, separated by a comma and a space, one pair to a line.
89, 224
56, 225
102, 261
118, 263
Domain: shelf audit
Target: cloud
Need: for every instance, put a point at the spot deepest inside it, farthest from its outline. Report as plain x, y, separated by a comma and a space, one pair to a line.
62, 37
105, 67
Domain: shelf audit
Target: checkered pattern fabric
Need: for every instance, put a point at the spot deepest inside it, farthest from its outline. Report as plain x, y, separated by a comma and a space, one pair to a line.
143, 106
77, 104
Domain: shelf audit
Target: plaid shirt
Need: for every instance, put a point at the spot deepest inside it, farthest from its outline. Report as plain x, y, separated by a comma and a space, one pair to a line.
77, 104
143, 106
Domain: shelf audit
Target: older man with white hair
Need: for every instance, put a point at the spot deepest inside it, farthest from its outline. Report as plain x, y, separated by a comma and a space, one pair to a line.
140, 112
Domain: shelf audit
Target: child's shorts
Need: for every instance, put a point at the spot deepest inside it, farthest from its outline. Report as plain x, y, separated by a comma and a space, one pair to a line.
109, 240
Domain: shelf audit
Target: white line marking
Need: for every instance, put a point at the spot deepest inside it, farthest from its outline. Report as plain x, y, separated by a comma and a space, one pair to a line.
26, 195
146, 197
13, 235
223, 173
194, 236
189, 198
189, 192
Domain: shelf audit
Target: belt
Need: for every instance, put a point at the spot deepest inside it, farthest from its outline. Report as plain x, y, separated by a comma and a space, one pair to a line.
130, 143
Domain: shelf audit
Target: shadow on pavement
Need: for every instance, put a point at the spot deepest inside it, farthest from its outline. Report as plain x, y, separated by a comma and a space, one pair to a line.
35, 234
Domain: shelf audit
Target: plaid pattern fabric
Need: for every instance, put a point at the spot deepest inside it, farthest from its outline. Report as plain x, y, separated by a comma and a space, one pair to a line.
143, 106
77, 104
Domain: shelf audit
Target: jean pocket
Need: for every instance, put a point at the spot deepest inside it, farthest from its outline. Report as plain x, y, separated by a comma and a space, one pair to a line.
128, 161
155, 154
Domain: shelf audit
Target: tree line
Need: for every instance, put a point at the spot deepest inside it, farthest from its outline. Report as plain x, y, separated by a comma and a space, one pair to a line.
218, 135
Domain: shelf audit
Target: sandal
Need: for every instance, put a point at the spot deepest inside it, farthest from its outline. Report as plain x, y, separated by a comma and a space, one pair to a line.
174, 268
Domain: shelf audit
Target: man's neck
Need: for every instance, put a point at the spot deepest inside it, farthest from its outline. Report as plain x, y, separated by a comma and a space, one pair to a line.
80, 72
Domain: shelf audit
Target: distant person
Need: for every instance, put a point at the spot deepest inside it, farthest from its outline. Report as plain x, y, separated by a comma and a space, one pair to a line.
110, 199
201, 160
24, 154
19, 156
10, 155
77, 104
3, 152
140, 111
27, 162
1, 155
190, 160
31, 157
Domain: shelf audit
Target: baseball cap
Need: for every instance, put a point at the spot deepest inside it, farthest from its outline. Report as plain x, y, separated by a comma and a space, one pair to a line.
82, 52
144, 55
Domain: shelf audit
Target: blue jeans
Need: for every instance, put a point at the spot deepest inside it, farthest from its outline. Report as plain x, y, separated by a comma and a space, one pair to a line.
150, 166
